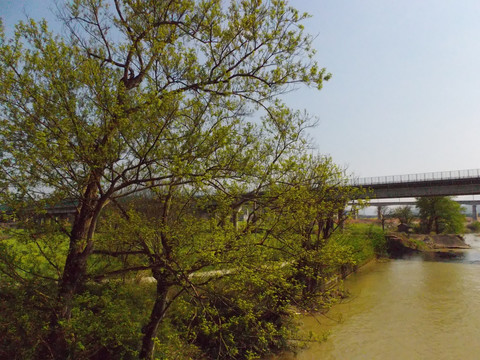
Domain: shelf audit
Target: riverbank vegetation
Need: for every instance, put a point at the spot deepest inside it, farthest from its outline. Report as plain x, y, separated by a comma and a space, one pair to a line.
243, 311
439, 214
439, 224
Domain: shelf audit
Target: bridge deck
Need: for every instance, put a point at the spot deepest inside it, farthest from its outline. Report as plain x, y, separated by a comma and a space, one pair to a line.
415, 178
452, 183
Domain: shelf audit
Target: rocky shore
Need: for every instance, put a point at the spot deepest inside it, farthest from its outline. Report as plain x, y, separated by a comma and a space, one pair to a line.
400, 244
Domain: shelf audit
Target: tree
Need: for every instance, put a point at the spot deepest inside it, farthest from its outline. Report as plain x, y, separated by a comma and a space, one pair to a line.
404, 214
302, 210
383, 213
440, 214
141, 95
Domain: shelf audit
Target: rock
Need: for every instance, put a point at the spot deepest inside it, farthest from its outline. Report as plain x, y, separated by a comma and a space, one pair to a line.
397, 247
448, 242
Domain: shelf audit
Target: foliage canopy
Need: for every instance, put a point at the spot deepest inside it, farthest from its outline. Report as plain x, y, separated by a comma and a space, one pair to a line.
440, 214
404, 214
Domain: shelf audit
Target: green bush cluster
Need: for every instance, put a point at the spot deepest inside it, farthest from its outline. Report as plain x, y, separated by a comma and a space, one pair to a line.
231, 324
23, 318
243, 315
364, 240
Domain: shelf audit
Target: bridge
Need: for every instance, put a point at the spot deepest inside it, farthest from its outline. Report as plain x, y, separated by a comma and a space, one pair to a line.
447, 183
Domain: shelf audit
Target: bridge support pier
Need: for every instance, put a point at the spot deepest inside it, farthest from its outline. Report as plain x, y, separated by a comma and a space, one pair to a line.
474, 213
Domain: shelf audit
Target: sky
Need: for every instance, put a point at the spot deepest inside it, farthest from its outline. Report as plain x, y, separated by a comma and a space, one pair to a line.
404, 96
405, 93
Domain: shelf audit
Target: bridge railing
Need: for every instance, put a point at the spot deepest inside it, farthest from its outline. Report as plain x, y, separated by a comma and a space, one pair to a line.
442, 175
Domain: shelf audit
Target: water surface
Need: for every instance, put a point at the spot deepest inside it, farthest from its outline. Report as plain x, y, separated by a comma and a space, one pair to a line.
414, 308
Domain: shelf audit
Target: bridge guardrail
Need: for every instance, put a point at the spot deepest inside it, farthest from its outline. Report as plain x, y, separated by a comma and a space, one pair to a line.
441, 175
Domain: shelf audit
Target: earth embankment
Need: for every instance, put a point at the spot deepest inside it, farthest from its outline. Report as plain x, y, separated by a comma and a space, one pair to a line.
399, 244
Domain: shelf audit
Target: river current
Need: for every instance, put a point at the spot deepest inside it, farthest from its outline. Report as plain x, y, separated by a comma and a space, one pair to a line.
420, 307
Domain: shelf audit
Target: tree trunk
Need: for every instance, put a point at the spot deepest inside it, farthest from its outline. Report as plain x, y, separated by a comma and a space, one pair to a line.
437, 226
74, 273
158, 312
429, 225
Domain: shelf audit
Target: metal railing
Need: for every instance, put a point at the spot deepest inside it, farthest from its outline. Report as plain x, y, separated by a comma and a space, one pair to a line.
395, 179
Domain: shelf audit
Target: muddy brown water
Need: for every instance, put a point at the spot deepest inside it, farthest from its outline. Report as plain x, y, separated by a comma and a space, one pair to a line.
420, 307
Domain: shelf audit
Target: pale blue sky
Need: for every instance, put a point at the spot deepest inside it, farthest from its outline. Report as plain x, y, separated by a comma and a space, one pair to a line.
405, 92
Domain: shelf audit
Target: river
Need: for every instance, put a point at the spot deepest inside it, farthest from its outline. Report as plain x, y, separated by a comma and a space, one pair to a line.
413, 308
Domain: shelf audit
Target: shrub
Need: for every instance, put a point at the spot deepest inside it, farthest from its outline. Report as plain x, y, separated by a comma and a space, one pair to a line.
239, 317
23, 319
365, 241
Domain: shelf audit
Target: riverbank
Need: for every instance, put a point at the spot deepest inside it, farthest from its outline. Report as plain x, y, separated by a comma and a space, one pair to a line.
400, 244
417, 307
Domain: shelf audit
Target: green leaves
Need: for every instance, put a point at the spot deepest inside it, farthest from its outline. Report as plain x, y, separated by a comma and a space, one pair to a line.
75, 105
440, 214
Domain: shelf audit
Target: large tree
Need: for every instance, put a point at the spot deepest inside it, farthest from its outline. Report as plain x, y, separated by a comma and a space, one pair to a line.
140, 95
289, 212
440, 214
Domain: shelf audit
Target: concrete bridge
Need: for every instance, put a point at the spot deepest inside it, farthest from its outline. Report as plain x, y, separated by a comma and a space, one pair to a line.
448, 183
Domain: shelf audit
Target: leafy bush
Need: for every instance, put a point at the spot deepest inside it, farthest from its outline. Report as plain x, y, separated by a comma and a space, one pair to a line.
23, 318
240, 317
365, 241
30, 254
106, 320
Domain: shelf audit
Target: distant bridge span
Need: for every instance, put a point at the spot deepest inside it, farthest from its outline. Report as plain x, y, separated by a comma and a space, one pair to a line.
414, 202
447, 183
